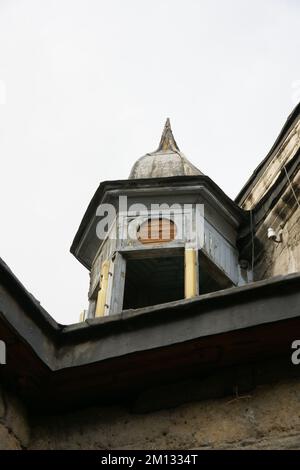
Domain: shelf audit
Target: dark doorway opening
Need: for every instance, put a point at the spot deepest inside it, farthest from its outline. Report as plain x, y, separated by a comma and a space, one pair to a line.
152, 281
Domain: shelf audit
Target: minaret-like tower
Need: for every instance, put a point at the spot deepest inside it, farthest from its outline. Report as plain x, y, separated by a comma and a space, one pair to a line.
166, 234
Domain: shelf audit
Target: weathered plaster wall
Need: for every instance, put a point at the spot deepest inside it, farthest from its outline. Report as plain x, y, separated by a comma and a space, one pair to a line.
268, 417
279, 258
14, 427
281, 156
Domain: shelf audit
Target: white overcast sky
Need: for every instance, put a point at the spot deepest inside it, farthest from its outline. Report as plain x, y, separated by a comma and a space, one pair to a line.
85, 87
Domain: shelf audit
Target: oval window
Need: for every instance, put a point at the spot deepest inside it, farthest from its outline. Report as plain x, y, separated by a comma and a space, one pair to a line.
156, 231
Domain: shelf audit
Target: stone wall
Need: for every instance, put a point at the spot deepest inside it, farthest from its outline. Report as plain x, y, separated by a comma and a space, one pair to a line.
282, 154
14, 427
268, 417
271, 258
279, 258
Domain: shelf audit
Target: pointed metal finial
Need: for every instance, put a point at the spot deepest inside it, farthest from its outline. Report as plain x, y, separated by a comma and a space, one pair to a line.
167, 141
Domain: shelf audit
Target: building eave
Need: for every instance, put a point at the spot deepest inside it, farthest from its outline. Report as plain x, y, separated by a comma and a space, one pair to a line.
246, 189
91, 358
155, 183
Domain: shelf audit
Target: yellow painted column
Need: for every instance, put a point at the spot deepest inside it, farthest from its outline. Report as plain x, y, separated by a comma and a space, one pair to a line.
101, 300
81, 317
190, 273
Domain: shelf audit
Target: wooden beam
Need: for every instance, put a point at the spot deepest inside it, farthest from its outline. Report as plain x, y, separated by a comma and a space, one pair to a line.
118, 284
190, 273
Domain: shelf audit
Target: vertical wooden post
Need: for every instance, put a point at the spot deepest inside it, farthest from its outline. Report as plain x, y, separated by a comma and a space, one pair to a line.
92, 308
190, 273
118, 284
101, 300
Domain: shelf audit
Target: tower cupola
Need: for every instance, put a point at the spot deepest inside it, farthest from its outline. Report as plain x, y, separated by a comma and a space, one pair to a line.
166, 161
165, 234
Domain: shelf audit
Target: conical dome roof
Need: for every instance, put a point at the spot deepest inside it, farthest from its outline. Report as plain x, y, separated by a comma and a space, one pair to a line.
166, 161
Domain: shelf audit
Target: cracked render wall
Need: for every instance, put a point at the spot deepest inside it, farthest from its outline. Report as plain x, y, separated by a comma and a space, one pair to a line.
266, 418
262, 412
14, 426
